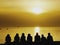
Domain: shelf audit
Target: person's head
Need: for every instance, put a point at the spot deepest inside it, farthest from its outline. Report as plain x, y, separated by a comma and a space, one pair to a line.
42, 35
17, 34
29, 34
37, 34
23, 34
8, 35
48, 34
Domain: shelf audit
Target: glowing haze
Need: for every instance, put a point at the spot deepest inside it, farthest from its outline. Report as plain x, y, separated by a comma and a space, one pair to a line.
33, 6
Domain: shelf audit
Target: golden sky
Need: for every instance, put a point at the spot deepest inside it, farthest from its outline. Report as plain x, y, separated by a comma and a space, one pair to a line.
29, 5
29, 14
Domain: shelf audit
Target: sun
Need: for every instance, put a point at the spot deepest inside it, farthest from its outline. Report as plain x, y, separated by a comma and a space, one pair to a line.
37, 10
37, 30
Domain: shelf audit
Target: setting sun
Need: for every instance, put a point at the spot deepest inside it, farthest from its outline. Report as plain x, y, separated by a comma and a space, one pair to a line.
37, 10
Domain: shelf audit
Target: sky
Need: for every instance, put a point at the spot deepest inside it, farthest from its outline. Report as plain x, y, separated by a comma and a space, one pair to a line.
29, 14
27, 10
28, 5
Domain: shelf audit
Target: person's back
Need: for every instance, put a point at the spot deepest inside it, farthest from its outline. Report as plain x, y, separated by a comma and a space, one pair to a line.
17, 38
50, 39
37, 38
29, 39
43, 40
23, 37
23, 40
8, 40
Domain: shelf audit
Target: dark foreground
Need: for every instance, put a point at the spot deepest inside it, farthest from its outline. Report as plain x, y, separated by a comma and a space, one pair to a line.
37, 40
55, 43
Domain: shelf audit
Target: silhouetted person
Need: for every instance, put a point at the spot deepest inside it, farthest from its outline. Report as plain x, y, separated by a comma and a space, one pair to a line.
49, 39
8, 39
37, 39
29, 39
23, 40
43, 40
17, 39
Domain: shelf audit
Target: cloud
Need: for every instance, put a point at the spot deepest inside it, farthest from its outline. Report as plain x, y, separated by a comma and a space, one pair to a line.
50, 19
24, 19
